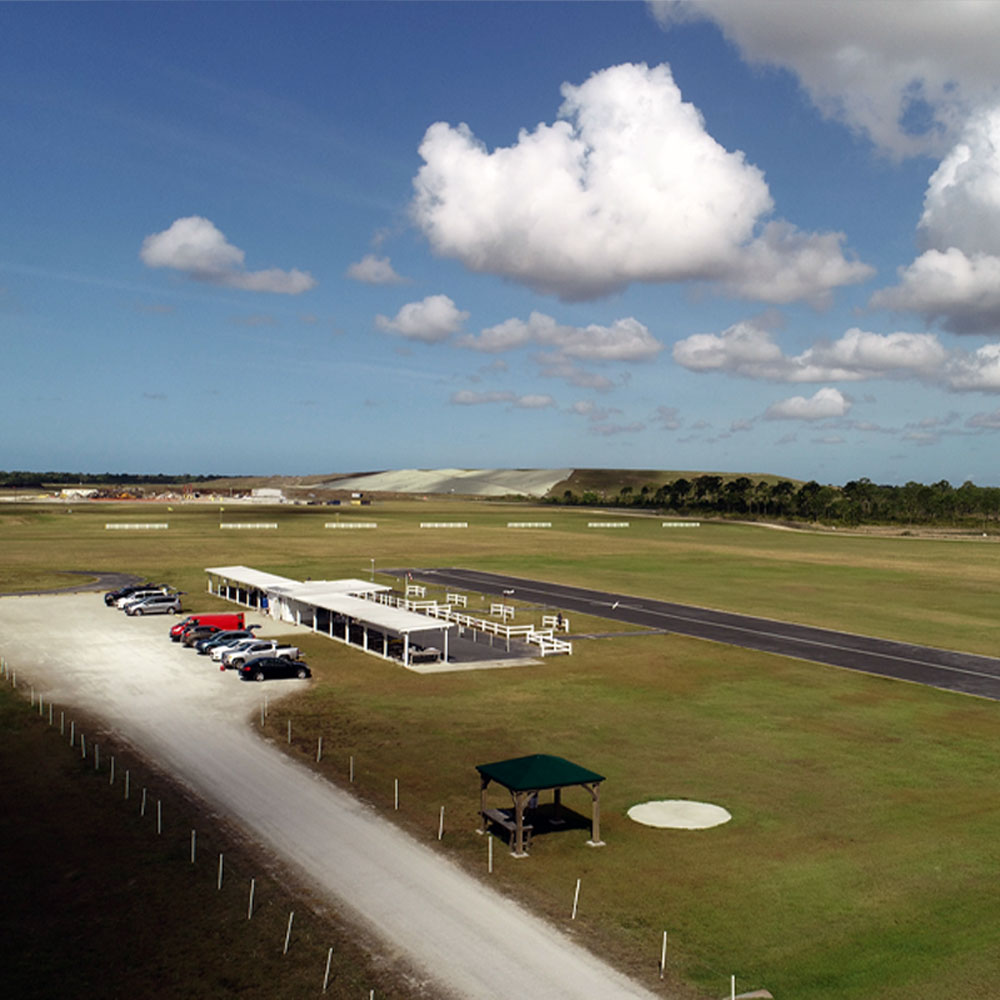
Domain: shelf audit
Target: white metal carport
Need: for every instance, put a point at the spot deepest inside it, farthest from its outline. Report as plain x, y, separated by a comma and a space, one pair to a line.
300, 602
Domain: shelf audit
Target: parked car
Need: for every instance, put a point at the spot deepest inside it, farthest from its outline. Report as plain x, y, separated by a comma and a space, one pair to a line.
219, 651
235, 658
158, 604
195, 632
224, 619
113, 595
225, 638
264, 668
138, 596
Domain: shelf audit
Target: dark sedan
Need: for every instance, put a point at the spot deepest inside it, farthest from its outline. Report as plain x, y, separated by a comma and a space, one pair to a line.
205, 644
265, 668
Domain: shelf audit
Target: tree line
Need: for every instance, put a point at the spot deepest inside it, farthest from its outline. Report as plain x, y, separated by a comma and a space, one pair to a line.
858, 502
46, 480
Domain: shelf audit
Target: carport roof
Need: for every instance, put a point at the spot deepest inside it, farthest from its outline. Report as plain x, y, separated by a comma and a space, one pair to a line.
313, 590
380, 615
250, 577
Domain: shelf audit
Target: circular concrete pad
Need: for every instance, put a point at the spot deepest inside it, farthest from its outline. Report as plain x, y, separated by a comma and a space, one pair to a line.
679, 814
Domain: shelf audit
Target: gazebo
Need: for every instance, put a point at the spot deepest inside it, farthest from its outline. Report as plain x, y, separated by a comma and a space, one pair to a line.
524, 778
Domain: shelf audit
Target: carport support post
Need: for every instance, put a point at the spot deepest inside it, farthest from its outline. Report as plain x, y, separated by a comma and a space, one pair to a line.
406, 649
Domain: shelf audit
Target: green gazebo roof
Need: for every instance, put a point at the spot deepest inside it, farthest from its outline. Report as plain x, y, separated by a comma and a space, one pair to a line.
537, 771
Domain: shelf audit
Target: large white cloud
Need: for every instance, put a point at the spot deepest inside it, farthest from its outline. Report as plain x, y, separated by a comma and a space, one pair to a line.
961, 291
627, 186
195, 246
825, 404
433, 319
905, 73
957, 280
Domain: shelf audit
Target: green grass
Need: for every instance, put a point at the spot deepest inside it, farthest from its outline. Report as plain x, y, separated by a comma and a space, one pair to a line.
860, 862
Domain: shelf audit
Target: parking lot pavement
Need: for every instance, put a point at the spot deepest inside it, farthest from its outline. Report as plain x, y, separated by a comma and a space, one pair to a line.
190, 719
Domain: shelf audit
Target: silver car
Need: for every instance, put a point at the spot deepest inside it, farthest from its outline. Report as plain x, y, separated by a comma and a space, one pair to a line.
155, 604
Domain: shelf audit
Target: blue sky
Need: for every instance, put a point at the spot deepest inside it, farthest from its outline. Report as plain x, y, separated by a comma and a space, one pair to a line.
748, 236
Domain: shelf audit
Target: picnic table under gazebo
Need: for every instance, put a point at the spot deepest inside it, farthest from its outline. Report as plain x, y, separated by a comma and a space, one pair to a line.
524, 778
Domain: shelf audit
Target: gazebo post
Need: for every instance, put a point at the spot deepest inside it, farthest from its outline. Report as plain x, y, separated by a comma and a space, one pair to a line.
557, 807
595, 824
483, 783
519, 798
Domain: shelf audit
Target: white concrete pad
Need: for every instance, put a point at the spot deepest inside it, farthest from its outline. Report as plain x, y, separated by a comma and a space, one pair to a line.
679, 814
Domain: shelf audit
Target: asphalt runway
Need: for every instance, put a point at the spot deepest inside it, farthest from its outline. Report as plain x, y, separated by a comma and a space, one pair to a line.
939, 668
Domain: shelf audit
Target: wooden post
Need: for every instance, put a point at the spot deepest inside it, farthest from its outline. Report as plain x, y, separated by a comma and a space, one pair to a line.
519, 798
595, 828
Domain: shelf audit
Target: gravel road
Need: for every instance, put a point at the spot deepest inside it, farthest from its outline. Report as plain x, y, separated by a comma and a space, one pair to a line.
191, 719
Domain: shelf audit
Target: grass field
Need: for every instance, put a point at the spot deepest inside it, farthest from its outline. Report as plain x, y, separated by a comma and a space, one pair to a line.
861, 860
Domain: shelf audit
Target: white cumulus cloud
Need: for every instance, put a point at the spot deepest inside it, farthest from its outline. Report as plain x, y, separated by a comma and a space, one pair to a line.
431, 320
627, 186
374, 270
624, 340
825, 404
196, 247
904, 73
747, 350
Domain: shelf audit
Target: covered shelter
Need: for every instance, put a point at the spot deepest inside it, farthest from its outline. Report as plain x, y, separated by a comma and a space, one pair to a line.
243, 584
341, 609
524, 778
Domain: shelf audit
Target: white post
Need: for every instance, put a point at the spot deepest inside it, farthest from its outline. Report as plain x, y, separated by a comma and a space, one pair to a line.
326, 975
288, 932
159, 816
127, 777
732, 987
289, 732
72, 733
193, 841
352, 769
663, 955
395, 793
441, 824
219, 880
319, 749
142, 806
489, 855
62, 723
576, 899
50, 713
250, 904
83, 746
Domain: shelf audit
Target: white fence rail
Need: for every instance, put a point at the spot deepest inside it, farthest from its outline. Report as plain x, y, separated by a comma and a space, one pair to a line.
459, 600
529, 524
252, 525
136, 526
680, 524
607, 524
543, 638
444, 524
351, 524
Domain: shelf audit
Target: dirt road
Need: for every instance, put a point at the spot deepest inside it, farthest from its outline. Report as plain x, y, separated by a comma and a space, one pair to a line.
191, 719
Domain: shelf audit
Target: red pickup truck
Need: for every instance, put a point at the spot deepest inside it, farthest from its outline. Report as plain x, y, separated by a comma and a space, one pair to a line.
224, 619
